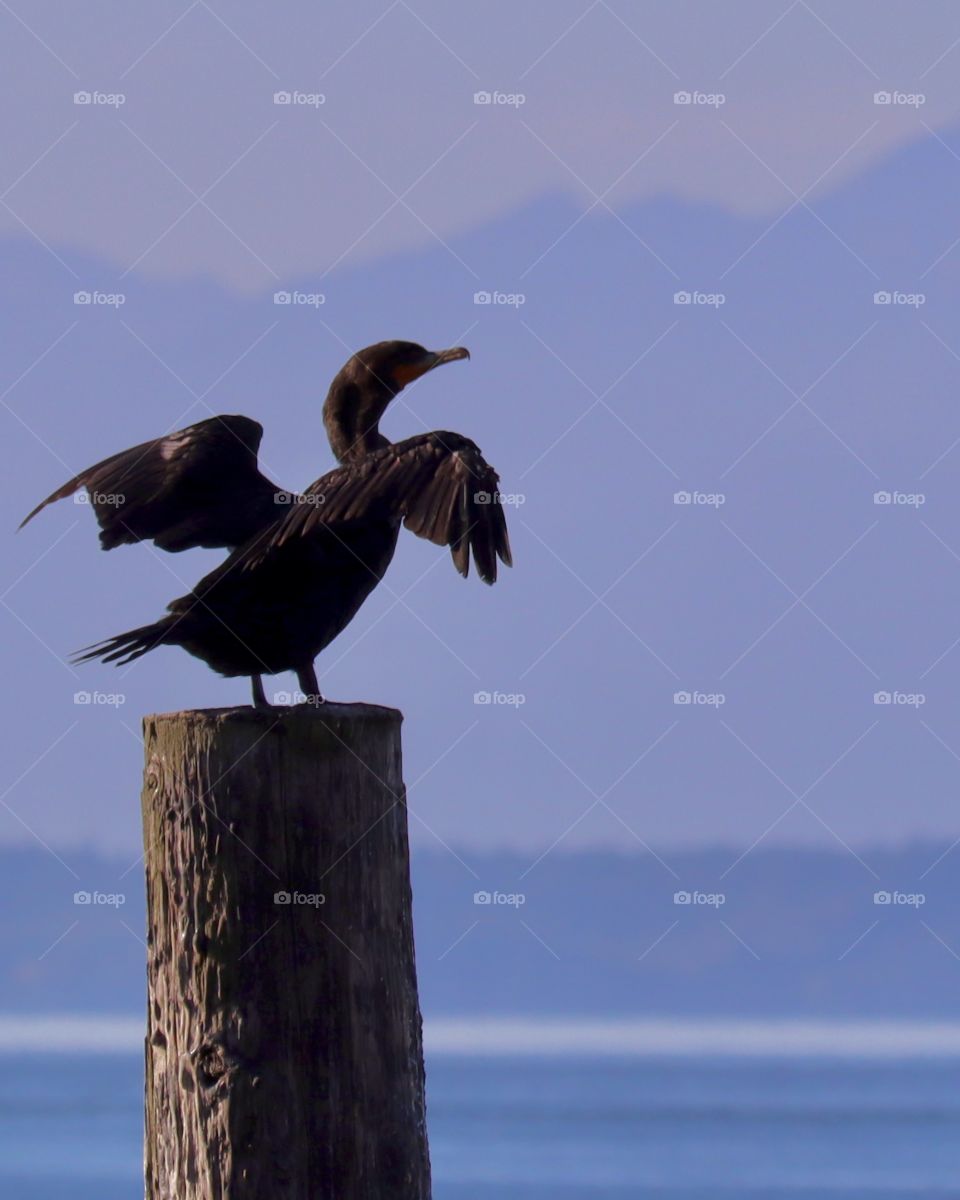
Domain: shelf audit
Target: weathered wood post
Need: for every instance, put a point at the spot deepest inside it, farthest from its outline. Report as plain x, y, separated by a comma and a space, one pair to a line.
283, 1051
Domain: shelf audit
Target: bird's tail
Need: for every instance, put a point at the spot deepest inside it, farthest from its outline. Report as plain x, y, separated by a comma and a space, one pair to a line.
125, 647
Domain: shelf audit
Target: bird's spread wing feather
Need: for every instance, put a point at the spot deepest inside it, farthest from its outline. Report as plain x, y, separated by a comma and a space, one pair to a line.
437, 484
199, 486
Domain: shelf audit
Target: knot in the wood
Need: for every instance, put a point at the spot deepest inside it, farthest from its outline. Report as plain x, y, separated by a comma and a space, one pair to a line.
153, 775
212, 1064
208, 1066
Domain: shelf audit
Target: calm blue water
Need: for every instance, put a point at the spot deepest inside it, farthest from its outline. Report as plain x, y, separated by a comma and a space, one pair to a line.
571, 1129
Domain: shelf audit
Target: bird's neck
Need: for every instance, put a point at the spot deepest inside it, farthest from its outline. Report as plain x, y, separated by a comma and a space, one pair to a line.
352, 422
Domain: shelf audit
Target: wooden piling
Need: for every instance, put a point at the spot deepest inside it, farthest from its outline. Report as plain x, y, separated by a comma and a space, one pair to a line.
283, 1050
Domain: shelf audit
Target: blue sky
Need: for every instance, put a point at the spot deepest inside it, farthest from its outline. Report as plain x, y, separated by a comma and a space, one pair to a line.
812, 373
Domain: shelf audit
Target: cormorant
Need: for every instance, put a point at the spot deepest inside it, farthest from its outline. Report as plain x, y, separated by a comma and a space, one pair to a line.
300, 565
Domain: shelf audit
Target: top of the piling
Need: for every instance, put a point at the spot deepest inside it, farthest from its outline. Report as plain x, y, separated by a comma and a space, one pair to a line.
330, 710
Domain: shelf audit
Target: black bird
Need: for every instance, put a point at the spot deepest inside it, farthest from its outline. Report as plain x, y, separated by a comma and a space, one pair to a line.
300, 565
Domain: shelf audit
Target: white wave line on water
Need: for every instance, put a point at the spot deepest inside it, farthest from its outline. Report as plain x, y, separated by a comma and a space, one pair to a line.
692, 1037
553, 1037
70, 1034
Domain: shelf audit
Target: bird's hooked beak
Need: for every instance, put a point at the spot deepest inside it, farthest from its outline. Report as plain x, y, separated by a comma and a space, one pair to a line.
433, 358
454, 354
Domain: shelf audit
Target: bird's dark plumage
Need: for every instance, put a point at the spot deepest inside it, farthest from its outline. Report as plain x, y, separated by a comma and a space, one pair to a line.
437, 484
197, 487
301, 565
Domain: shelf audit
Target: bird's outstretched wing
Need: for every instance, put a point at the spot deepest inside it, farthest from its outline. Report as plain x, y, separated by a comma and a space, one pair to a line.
199, 486
437, 484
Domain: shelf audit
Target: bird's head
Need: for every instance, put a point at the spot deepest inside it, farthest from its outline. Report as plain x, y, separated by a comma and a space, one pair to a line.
365, 385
